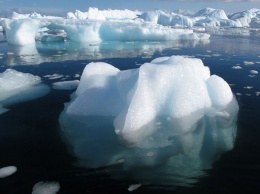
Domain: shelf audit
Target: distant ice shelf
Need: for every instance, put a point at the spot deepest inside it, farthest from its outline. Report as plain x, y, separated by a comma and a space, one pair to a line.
123, 25
24, 31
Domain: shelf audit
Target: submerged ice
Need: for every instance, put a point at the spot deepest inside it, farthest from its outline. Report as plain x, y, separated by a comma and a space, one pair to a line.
170, 112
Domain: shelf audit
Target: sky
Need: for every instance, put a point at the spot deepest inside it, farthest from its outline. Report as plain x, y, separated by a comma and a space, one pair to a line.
61, 7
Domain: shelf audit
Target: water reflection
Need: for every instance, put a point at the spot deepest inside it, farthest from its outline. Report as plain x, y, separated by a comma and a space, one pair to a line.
38, 53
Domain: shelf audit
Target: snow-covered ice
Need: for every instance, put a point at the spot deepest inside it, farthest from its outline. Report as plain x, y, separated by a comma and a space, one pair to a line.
7, 171
169, 111
17, 86
46, 188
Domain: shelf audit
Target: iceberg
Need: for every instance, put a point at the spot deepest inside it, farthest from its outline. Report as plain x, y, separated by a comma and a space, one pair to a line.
18, 87
170, 113
207, 17
21, 31
24, 31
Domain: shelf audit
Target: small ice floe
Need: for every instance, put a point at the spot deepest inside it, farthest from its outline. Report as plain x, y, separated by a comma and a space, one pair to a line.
7, 171
253, 72
46, 188
150, 154
76, 75
251, 75
231, 85
237, 67
120, 161
238, 94
257, 93
248, 87
216, 55
66, 85
134, 187
10, 53
248, 63
54, 76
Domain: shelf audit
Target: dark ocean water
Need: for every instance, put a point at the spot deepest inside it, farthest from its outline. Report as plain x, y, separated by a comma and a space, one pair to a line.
30, 137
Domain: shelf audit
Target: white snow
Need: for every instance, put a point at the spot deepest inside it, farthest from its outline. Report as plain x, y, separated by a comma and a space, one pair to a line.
46, 188
167, 107
7, 171
66, 85
17, 86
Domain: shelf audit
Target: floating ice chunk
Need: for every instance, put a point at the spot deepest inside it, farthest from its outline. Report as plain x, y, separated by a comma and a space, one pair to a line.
12, 79
54, 76
237, 67
248, 63
46, 188
66, 85
21, 31
248, 87
169, 112
134, 187
24, 31
17, 87
7, 171
253, 72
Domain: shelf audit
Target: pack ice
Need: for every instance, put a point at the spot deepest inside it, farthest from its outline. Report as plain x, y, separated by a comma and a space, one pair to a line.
17, 87
170, 112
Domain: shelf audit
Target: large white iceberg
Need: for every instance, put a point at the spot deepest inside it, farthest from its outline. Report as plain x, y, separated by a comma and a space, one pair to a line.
207, 17
24, 31
169, 112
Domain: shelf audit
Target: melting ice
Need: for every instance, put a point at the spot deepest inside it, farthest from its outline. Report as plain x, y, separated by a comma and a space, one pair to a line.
170, 112
17, 87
